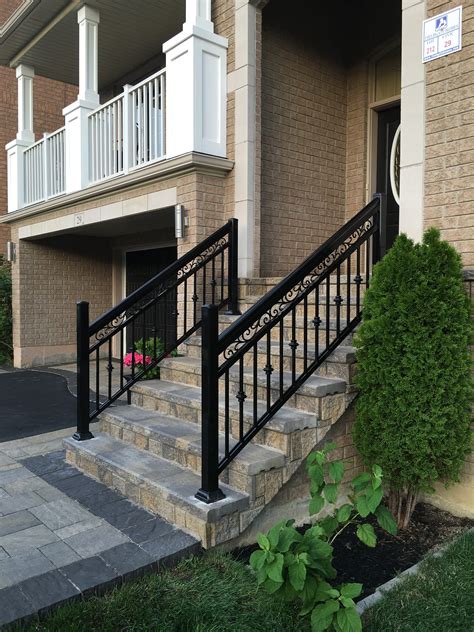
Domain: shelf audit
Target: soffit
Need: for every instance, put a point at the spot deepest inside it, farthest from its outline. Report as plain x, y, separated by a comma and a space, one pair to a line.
131, 33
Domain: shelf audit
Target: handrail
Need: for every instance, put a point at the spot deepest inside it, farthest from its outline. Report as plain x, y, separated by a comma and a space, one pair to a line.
148, 324
230, 362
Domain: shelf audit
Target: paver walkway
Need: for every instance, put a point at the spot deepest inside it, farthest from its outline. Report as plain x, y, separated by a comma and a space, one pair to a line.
63, 534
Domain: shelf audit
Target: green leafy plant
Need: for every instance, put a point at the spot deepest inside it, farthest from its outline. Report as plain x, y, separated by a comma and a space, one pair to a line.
414, 370
299, 566
6, 343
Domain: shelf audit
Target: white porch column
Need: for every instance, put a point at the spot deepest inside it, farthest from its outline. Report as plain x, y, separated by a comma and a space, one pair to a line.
25, 75
412, 120
24, 138
77, 114
88, 20
196, 69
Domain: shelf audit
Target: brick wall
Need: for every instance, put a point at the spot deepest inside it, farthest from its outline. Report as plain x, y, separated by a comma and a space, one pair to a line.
303, 140
449, 162
49, 99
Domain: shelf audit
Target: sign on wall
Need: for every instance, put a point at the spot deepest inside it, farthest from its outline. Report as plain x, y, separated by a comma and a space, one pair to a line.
442, 35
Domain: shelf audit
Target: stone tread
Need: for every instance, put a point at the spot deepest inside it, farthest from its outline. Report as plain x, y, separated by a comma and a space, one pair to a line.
315, 386
342, 355
186, 436
286, 420
170, 480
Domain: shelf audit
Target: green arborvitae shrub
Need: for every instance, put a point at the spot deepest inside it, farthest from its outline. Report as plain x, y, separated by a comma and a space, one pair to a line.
414, 370
6, 347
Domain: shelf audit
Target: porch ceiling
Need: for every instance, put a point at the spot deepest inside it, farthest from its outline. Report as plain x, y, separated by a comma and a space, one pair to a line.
45, 35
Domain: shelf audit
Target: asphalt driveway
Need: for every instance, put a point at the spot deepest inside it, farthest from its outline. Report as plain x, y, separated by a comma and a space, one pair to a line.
34, 402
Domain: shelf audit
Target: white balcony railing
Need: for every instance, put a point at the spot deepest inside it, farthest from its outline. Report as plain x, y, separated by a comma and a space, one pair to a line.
44, 168
128, 131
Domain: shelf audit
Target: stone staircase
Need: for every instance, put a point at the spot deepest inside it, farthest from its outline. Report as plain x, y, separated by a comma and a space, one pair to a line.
151, 450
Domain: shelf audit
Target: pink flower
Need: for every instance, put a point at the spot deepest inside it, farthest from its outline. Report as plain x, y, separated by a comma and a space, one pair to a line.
136, 358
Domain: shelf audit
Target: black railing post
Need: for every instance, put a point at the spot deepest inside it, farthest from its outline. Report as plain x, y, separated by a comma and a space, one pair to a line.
381, 235
233, 307
210, 491
83, 433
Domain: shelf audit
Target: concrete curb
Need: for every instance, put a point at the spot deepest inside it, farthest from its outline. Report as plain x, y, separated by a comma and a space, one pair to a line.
375, 597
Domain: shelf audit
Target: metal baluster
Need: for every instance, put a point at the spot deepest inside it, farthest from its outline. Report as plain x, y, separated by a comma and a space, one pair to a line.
226, 413
348, 278
185, 311
328, 309
281, 356
305, 332
255, 380
338, 300
97, 378
121, 357
241, 397
155, 328
110, 369
213, 280
269, 370
293, 345
133, 347
358, 280
204, 283
367, 263
195, 298
222, 277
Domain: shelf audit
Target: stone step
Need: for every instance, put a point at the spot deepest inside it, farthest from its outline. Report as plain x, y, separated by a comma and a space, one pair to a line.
180, 441
340, 364
184, 402
160, 486
185, 370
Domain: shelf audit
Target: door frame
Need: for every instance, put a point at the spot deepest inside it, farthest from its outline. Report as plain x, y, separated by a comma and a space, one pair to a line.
373, 130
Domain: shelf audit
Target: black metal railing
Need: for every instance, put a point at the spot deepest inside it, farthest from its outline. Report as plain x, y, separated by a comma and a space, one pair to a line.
151, 323
253, 368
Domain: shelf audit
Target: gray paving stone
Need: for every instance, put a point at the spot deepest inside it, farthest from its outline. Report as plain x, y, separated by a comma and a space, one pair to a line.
102, 498
112, 510
127, 559
89, 574
96, 540
50, 493
33, 484
17, 503
3, 493
79, 527
60, 475
60, 513
59, 553
47, 590
14, 605
11, 476
3, 554
32, 538
15, 569
149, 530
79, 487
17, 522
41, 465
171, 547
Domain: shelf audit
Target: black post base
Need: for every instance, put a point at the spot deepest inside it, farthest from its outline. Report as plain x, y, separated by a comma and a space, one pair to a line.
209, 497
82, 436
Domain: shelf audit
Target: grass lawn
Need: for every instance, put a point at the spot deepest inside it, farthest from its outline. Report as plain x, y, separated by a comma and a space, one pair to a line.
440, 598
209, 594
218, 594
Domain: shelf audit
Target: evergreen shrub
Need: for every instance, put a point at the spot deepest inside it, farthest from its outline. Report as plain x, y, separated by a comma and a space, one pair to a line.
414, 370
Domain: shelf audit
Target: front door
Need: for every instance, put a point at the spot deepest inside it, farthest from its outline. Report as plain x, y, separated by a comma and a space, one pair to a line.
142, 265
388, 122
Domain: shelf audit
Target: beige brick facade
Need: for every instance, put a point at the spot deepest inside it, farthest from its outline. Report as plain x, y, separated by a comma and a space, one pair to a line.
449, 164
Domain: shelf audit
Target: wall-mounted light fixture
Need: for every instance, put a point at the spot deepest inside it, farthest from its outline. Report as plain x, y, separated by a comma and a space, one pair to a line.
179, 222
11, 251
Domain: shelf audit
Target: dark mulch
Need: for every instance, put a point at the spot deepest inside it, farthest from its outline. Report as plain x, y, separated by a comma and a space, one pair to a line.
355, 562
34, 402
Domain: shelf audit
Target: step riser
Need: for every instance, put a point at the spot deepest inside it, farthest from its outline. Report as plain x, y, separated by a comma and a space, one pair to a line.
340, 370
181, 453
269, 437
306, 403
